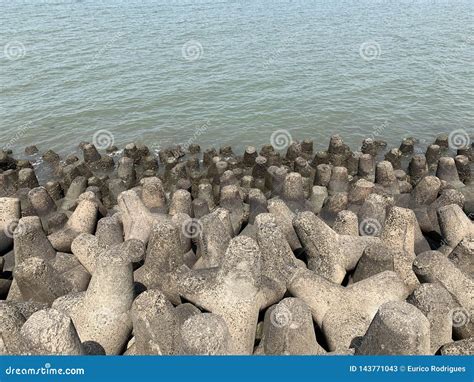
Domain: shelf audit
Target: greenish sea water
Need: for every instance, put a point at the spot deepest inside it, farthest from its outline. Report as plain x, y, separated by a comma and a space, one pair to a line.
233, 72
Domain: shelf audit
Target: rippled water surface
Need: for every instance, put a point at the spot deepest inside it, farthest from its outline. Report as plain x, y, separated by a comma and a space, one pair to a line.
233, 72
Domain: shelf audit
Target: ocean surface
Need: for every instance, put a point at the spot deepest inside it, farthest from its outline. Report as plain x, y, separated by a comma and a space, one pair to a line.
233, 72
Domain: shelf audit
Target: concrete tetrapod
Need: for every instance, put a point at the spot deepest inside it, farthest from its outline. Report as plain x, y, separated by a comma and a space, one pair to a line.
153, 194
329, 254
461, 347
278, 261
398, 328
164, 256
37, 280
88, 249
31, 241
205, 334
436, 303
156, 323
284, 218
455, 227
231, 200
214, 233
344, 314
104, 315
399, 234
396, 249
11, 322
434, 267
346, 223
10, 213
109, 230
50, 332
136, 218
236, 291
288, 329
83, 220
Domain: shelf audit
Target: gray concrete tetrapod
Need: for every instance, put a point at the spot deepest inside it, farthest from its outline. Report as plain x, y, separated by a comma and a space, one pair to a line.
205, 334
434, 267
213, 235
163, 258
288, 329
9, 215
51, 332
398, 328
236, 291
344, 314
437, 304
156, 323
330, 254
83, 220
104, 316
136, 218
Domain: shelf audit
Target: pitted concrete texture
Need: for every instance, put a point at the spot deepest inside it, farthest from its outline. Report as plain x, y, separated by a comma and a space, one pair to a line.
398, 328
303, 252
